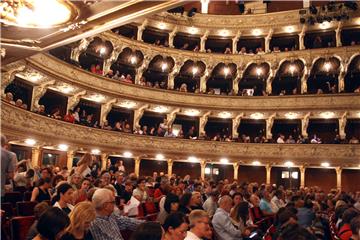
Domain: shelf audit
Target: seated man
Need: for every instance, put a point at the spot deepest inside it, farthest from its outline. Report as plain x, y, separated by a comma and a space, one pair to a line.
199, 225
107, 224
222, 223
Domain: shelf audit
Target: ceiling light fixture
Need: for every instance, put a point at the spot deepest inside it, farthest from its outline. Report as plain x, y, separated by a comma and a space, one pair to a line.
327, 114
192, 112
30, 142
194, 70
224, 160
225, 114
162, 25
325, 164
102, 50
327, 66
159, 157
256, 163
164, 66
127, 104
291, 115
289, 164
133, 59
224, 33
193, 159
289, 29
127, 154
37, 13
160, 109
95, 151
292, 69
256, 32
63, 147
226, 71
257, 115
193, 30
258, 71
324, 25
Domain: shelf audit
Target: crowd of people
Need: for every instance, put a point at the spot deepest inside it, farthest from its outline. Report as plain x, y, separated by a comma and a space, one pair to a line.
9, 97
87, 203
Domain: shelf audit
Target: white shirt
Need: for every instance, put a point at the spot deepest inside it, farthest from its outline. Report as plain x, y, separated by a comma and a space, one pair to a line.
71, 207
131, 208
280, 140
191, 236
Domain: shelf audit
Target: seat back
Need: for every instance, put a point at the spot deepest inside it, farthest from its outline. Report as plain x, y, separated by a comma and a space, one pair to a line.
25, 208
7, 207
13, 197
20, 226
150, 208
27, 196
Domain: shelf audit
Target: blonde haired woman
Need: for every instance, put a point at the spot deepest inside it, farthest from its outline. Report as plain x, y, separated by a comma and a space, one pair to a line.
83, 166
80, 219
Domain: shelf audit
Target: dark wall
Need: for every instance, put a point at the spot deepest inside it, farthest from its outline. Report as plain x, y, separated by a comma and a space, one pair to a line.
350, 180
252, 174
324, 178
147, 167
186, 168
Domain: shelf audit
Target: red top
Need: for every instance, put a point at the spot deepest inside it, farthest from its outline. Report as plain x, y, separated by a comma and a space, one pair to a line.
345, 232
69, 118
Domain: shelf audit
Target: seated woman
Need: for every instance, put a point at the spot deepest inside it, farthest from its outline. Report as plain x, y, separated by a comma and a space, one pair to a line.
51, 224
41, 192
80, 219
56, 114
171, 205
175, 227
240, 218
80, 195
64, 198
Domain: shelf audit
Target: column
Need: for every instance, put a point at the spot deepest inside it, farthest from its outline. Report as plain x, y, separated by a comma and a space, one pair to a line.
202, 123
104, 159
83, 45
343, 68
203, 166
172, 35
236, 171
205, 77
170, 117
113, 57
140, 70
138, 113
203, 41
8, 76
302, 176
140, 30
35, 154
338, 34
307, 69
137, 166
267, 40
301, 38
237, 79
338, 177
268, 174
69, 159
170, 163
269, 125
105, 109
171, 77
204, 6
74, 100
235, 125
304, 125
235, 41
38, 92
269, 80
342, 125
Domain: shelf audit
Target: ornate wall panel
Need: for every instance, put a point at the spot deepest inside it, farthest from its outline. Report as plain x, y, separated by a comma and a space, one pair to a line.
17, 123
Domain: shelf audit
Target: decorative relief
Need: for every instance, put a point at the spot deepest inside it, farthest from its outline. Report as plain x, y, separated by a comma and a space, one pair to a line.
81, 78
20, 123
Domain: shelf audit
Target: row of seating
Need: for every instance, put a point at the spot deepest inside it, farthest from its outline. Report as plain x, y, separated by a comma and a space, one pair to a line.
14, 197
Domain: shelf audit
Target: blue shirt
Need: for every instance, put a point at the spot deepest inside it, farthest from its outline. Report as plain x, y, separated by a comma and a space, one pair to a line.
108, 228
265, 206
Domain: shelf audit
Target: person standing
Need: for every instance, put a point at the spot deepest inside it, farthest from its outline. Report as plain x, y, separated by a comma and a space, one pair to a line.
8, 164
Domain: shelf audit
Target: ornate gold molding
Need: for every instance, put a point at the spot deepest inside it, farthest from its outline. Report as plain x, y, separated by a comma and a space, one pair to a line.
17, 123
65, 72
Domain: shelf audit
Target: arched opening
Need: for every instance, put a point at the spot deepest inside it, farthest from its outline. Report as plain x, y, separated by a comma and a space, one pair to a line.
324, 76
221, 79
126, 64
157, 73
188, 79
352, 78
128, 30
288, 78
253, 82
93, 58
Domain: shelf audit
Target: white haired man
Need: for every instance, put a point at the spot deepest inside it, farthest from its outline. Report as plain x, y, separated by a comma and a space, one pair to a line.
107, 225
199, 225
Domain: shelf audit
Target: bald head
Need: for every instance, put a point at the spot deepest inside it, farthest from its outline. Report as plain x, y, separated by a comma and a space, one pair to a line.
226, 203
